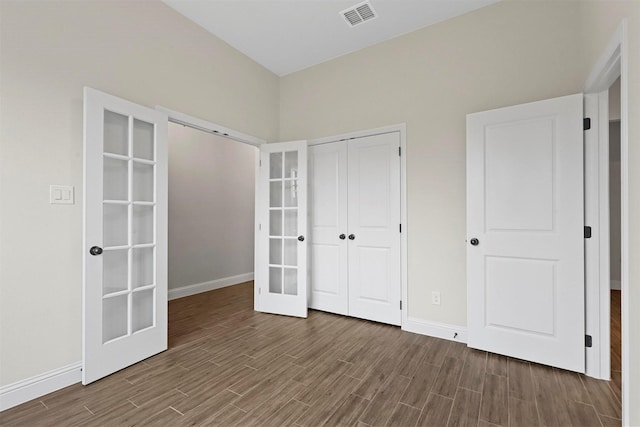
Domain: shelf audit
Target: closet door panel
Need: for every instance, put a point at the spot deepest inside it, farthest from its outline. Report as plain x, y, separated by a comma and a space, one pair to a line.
374, 235
328, 220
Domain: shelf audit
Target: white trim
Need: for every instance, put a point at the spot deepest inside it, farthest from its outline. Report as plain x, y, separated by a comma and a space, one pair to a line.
402, 129
616, 285
435, 329
210, 127
197, 288
31, 388
596, 249
614, 62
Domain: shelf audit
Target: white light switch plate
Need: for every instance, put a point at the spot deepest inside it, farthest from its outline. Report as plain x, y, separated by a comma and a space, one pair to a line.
61, 195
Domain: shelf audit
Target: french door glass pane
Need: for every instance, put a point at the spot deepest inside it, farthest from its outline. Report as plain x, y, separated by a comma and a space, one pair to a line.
116, 133
142, 224
275, 251
114, 312
291, 193
275, 168
142, 268
291, 281
142, 140
142, 309
291, 222
116, 179
275, 194
142, 182
115, 272
290, 252
291, 164
115, 225
275, 280
275, 223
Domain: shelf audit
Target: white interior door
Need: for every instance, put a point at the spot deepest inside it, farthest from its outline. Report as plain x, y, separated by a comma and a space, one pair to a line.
525, 273
374, 228
125, 234
281, 211
328, 274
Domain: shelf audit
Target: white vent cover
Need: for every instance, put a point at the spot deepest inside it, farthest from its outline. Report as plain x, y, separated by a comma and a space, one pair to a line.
359, 13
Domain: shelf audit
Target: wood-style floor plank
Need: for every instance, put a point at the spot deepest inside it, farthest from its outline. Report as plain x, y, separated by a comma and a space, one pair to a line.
228, 365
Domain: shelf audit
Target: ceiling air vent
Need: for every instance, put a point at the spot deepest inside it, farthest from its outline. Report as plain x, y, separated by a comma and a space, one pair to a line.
359, 13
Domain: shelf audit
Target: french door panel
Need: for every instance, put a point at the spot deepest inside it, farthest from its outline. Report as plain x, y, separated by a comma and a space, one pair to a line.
328, 277
525, 232
374, 235
281, 209
125, 234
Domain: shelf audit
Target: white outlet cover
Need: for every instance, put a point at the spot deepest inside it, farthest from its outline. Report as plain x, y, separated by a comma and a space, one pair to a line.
61, 195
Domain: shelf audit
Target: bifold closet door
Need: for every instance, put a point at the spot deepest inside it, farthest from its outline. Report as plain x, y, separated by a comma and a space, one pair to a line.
373, 237
354, 200
328, 227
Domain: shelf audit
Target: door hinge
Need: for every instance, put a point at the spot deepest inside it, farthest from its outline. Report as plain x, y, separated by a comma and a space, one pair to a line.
588, 341
587, 232
259, 291
400, 227
586, 123
260, 162
400, 305
399, 151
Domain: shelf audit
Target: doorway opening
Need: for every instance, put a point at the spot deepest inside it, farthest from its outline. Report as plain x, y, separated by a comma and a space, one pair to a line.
211, 199
615, 234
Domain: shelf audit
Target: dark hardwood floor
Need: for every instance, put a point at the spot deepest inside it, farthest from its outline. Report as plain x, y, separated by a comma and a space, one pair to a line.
230, 366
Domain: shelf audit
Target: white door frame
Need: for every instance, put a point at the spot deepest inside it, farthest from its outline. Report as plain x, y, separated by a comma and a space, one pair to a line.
613, 63
402, 129
210, 127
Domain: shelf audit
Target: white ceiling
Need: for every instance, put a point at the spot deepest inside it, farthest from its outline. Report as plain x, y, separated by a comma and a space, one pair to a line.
289, 35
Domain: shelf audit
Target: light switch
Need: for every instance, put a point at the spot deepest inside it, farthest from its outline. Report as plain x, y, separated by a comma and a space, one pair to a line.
61, 195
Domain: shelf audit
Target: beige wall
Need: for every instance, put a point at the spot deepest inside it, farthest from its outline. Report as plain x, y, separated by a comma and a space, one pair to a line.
211, 206
139, 50
501, 55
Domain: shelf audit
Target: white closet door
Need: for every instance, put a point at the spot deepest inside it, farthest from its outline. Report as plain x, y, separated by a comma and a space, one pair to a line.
328, 275
525, 274
125, 234
374, 234
281, 248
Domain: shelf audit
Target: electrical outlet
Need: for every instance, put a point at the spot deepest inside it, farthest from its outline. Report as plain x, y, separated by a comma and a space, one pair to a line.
435, 298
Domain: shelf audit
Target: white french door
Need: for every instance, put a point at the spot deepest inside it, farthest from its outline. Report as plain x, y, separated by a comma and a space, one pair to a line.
525, 253
125, 234
281, 216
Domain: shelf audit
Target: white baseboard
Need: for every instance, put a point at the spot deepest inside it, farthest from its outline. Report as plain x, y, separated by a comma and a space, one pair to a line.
23, 391
185, 291
616, 285
436, 329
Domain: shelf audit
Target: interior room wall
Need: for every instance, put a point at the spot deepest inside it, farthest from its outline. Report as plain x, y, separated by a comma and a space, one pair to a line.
139, 50
430, 79
211, 207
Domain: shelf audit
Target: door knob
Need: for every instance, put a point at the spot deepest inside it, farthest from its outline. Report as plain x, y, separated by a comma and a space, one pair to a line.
95, 250
342, 237
352, 236
474, 242
301, 238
